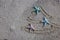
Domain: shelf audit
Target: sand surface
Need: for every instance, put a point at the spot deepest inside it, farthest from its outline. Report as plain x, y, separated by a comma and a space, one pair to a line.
13, 14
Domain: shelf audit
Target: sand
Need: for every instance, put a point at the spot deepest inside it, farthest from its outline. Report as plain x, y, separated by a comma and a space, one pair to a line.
13, 14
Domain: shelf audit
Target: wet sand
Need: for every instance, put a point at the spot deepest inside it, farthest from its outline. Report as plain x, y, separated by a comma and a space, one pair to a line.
13, 15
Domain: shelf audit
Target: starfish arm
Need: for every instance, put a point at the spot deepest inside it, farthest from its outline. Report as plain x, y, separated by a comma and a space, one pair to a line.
44, 24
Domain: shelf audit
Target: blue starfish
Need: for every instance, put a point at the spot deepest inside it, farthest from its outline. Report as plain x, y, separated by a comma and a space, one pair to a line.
36, 9
45, 21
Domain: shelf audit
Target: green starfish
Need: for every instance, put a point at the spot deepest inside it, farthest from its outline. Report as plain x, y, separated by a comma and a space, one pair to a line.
36, 9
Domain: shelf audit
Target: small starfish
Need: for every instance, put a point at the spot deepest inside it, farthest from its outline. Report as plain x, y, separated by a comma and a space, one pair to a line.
36, 9
31, 27
45, 21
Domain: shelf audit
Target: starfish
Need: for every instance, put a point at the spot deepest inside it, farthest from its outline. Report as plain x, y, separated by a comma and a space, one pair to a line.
45, 21
36, 9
